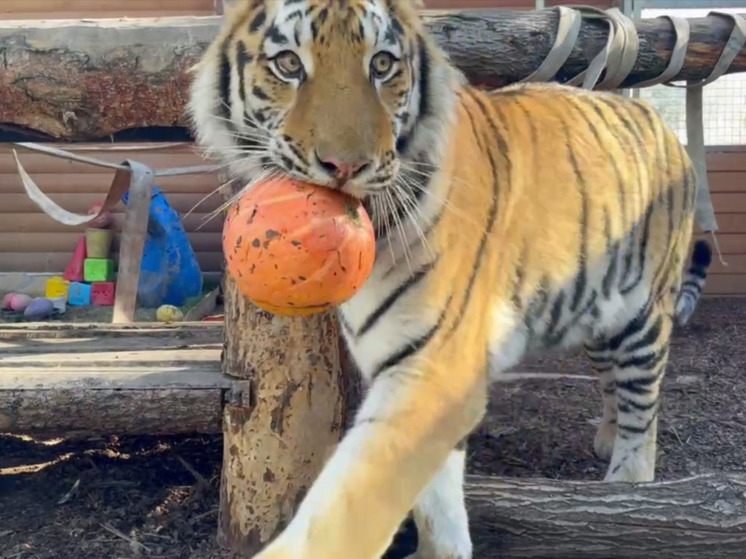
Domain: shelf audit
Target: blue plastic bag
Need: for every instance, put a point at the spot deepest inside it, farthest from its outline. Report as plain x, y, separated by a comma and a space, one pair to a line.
169, 273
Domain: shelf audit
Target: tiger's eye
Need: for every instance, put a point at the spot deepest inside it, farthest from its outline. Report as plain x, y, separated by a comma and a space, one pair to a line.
381, 64
288, 64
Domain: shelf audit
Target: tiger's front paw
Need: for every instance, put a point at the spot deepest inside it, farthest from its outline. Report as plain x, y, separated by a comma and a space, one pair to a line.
603, 444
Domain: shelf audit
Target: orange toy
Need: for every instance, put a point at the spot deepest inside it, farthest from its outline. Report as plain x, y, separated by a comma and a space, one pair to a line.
297, 249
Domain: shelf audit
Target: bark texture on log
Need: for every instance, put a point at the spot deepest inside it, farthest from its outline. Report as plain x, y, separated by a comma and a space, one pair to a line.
84, 80
286, 413
74, 379
703, 516
82, 411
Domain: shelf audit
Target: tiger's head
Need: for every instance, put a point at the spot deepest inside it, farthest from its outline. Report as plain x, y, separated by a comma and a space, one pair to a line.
340, 93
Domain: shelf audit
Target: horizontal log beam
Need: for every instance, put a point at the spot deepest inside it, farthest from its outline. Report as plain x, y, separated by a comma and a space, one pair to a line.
78, 379
548, 519
86, 80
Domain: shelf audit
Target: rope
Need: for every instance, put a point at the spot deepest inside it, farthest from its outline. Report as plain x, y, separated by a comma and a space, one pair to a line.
617, 58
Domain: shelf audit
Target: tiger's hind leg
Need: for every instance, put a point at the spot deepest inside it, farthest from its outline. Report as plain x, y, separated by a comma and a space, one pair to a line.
640, 354
440, 514
599, 353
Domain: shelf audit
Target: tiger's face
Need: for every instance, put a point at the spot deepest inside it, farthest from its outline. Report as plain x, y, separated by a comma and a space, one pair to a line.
328, 91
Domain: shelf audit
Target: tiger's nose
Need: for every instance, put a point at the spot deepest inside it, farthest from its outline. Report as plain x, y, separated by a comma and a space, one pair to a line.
342, 170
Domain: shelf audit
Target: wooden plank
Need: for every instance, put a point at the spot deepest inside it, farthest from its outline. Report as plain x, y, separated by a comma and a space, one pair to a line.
187, 6
736, 265
41, 163
129, 348
727, 181
65, 242
52, 182
128, 376
97, 14
731, 223
134, 236
41, 223
726, 161
142, 378
54, 262
58, 358
729, 202
79, 203
192, 333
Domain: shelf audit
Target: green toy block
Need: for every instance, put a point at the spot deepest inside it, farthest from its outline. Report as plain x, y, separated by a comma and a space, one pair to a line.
98, 269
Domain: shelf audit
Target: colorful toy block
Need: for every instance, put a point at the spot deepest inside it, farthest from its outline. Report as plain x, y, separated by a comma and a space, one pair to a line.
102, 294
59, 303
97, 270
74, 270
79, 294
57, 287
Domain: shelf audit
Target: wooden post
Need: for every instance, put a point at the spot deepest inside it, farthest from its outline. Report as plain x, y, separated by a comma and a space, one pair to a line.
286, 412
291, 396
134, 235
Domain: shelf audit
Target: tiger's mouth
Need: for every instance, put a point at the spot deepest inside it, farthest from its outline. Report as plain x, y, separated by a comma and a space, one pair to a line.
361, 187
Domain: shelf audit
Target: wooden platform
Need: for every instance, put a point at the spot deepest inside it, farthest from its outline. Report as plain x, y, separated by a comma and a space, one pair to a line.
143, 378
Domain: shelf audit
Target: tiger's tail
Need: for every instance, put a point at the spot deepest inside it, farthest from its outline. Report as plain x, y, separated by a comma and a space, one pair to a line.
694, 282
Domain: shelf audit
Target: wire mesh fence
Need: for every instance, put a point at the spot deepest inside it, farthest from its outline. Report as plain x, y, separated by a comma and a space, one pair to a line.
724, 106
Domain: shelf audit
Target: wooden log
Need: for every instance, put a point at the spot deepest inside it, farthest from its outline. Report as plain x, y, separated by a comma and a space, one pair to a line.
288, 408
85, 80
77, 379
548, 519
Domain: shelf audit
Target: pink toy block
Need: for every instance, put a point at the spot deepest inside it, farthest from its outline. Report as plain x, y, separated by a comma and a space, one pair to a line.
102, 293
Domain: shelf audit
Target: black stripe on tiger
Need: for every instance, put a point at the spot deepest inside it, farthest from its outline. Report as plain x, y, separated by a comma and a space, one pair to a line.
630, 145
642, 245
627, 404
243, 59
634, 428
414, 346
652, 122
393, 297
425, 104
611, 157
503, 149
225, 83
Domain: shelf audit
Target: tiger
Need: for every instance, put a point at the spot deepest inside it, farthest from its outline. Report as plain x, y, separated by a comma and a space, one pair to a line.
531, 218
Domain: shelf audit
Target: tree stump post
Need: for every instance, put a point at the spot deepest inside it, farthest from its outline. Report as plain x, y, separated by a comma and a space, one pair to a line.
286, 412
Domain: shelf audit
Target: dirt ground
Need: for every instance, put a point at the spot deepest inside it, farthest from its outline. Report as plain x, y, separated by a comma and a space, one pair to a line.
157, 497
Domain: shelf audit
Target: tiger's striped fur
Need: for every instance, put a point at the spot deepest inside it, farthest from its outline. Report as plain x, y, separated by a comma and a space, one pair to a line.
535, 217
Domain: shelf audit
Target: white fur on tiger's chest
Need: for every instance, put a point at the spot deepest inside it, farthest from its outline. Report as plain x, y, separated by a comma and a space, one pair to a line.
403, 322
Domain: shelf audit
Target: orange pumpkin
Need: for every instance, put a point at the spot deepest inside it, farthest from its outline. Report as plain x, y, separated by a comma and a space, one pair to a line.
298, 249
